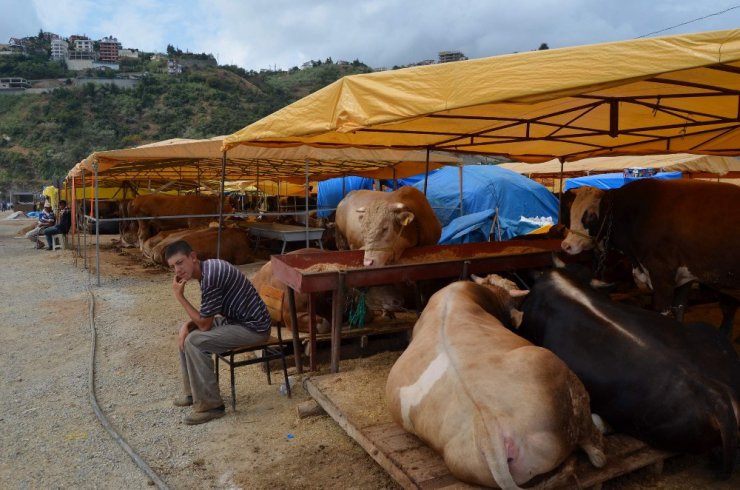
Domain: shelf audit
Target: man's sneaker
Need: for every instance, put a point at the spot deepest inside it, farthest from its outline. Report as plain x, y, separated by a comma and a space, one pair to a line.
203, 417
183, 401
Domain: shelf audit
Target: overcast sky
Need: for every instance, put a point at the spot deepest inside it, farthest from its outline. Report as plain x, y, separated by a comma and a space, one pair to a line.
257, 34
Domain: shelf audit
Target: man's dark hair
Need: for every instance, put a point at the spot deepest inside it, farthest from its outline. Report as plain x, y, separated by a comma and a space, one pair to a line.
62, 202
178, 247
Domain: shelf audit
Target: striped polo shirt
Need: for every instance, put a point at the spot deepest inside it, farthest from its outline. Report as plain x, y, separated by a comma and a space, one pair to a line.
226, 291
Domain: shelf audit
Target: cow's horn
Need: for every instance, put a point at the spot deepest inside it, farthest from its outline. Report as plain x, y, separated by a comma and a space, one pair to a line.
518, 293
477, 279
516, 317
360, 210
557, 262
599, 284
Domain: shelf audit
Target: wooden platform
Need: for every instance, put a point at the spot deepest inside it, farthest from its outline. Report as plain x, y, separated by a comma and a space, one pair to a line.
356, 401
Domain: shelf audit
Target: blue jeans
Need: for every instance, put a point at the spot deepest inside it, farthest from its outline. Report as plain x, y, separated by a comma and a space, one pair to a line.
50, 232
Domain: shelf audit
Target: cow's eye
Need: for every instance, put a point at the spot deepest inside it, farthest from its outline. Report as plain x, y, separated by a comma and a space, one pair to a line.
385, 228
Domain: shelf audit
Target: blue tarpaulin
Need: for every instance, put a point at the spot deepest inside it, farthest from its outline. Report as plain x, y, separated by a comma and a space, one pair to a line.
330, 192
409, 180
487, 188
613, 180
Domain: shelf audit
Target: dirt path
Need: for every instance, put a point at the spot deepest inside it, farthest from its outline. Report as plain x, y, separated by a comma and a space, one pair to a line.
52, 439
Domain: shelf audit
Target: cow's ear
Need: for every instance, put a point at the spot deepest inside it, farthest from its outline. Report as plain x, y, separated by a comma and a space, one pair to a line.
516, 317
405, 217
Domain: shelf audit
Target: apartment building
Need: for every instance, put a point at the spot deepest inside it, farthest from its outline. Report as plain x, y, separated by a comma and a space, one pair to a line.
128, 53
108, 49
59, 49
448, 56
84, 45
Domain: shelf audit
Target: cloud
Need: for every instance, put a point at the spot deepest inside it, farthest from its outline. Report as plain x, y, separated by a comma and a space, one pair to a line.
267, 33
18, 19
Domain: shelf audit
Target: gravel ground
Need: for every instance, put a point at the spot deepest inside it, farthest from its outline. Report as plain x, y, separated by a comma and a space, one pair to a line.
52, 439
50, 435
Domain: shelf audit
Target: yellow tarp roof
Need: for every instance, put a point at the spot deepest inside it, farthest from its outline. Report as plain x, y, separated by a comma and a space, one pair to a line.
200, 160
272, 188
684, 162
673, 94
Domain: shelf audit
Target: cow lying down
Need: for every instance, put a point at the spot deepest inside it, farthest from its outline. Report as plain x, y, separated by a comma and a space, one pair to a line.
265, 277
234, 244
497, 408
674, 386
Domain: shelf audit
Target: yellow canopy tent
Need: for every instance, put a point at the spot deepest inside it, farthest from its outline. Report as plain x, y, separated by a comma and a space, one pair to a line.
673, 94
201, 161
697, 166
271, 187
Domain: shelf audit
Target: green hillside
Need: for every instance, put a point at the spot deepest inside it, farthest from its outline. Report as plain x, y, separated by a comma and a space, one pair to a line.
43, 135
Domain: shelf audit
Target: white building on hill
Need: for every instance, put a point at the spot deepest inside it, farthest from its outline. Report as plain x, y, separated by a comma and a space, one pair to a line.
58, 49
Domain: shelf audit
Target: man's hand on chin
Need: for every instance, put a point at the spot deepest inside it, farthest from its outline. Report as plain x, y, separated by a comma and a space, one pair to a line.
178, 285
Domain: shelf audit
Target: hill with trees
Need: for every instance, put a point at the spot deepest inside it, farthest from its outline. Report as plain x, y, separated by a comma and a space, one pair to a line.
43, 135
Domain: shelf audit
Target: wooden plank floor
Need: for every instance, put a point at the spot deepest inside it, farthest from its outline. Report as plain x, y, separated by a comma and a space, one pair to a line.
356, 401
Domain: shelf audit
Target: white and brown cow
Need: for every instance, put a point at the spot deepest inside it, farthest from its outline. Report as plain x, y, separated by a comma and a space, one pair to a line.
497, 408
384, 224
673, 231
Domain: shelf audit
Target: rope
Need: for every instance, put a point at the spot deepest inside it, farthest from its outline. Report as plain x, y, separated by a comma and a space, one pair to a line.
96, 407
357, 314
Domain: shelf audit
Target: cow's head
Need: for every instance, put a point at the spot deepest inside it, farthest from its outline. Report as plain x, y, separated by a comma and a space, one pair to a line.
129, 230
498, 283
584, 220
383, 225
386, 298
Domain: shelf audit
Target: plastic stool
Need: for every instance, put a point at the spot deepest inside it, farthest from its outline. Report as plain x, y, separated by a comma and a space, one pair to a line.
59, 242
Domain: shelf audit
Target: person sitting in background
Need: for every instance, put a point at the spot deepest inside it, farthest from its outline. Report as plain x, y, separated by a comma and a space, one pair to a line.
46, 219
61, 227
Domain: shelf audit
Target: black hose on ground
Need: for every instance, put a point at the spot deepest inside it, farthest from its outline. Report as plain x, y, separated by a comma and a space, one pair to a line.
99, 413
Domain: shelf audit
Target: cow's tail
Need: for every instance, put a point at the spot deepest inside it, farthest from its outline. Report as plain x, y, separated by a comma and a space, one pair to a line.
726, 420
494, 451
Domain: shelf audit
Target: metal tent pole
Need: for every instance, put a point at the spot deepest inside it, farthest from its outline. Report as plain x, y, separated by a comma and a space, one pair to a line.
306, 194
221, 205
97, 222
426, 173
460, 172
560, 195
84, 221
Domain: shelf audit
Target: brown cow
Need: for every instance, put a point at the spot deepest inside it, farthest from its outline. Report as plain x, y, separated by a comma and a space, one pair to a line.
234, 245
497, 408
148, 248
129, 230
164, 205
384, 224
673, 231
264, 277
